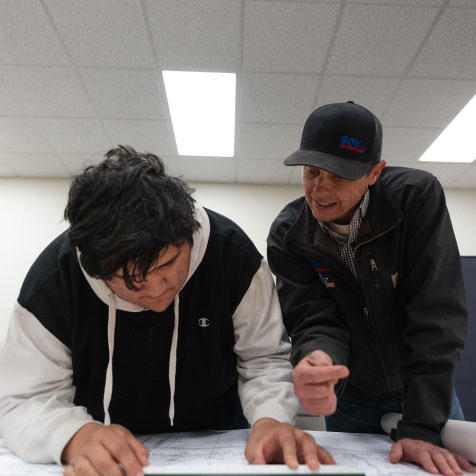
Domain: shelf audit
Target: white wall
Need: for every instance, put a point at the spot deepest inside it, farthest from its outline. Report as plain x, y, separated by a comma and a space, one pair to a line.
31, 213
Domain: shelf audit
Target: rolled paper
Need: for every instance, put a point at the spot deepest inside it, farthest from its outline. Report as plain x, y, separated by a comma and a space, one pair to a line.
457, 436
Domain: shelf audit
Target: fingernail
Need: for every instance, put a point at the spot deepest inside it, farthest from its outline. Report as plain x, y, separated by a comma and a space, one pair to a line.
293, 462
314, 463
140, 473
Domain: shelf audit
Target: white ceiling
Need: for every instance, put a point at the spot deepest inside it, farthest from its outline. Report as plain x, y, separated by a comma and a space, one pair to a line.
78, 77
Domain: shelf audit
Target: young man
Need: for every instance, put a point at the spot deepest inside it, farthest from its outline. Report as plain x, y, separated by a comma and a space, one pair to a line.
150, 313
369, 280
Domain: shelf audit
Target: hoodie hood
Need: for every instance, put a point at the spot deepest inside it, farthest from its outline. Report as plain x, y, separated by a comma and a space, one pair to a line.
114, 302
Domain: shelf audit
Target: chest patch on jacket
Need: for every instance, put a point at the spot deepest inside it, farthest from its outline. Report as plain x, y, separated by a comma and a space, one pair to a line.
320, 269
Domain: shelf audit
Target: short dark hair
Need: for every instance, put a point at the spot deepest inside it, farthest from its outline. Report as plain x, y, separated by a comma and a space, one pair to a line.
124, 211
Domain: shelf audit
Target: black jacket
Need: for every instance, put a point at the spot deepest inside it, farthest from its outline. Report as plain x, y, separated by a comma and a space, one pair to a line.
400, 327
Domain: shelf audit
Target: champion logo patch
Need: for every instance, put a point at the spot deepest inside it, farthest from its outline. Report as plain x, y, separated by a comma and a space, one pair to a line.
352, 143
203, 322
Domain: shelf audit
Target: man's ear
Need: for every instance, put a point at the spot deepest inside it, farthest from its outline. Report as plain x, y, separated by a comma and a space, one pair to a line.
376, 171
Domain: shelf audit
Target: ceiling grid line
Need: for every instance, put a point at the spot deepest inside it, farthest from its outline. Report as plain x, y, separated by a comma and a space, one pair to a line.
329, 50
78, 76
159, 78
410, 64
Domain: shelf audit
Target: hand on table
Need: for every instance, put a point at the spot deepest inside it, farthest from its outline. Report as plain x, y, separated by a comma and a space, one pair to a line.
96, 449
314, 380
274, 442
431, 458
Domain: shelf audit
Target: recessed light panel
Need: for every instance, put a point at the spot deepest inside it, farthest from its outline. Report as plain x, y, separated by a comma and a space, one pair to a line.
454, 144
202, 107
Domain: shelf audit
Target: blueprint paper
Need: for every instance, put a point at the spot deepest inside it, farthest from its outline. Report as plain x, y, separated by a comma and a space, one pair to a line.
202, 450
233, 470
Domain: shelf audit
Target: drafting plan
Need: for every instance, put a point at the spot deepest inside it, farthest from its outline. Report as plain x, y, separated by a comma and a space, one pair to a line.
361, 452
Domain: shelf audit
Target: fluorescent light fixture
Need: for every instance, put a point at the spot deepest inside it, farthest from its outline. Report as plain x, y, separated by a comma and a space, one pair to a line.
202, 106
454, 143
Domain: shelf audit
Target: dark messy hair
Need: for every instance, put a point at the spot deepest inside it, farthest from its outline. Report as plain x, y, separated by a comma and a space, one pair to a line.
124, 211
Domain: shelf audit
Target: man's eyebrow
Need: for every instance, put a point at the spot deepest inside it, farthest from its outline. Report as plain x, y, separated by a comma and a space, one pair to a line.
171, 260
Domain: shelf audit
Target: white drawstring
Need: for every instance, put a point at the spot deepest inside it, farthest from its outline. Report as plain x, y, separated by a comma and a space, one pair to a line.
111, 324
173, 360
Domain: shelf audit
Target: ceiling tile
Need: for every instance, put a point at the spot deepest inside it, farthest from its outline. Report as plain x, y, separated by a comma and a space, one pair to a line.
144, 136
450, 51
370, 35
130, 94
445, 173
415, 3
262, 171
27, 36
287, 37
276, 98
405, 145
467, 179
462, 3
8, 105
372, 93
73, 136
172, 166
196, 35
19, 134
208, 169
103, 33
268, 141
35, 165
76, 163
428, 103
47, 91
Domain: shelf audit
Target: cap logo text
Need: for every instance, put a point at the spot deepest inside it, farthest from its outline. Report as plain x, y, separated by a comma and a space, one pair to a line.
352, 143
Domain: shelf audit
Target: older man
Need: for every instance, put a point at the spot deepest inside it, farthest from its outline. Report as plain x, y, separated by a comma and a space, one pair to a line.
369, 280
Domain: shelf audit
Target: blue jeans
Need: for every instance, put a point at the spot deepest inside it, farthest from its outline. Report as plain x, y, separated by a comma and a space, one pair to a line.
359, 416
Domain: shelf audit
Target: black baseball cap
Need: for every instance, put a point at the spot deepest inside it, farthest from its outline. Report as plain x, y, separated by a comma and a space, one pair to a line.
342, 138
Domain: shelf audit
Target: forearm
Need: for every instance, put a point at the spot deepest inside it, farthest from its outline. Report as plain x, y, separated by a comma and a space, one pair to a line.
436, 317
37, 413
262, 348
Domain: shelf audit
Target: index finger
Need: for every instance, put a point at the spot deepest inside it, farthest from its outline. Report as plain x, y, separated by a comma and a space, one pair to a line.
126, 450
141, 451
321, 374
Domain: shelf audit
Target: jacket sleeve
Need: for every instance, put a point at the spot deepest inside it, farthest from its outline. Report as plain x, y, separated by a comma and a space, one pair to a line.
37, 413
436, 327
310, 316
262, 348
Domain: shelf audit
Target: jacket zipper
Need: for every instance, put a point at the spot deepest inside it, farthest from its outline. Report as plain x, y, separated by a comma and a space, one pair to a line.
370, 323
373, 265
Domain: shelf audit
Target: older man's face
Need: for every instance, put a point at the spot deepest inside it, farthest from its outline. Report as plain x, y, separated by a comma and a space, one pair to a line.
332, 198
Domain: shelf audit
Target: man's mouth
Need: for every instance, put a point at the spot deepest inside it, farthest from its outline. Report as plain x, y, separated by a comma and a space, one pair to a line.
323, 204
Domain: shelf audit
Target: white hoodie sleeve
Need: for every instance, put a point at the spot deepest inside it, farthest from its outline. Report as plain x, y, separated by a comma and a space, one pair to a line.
37, 413
263, 349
